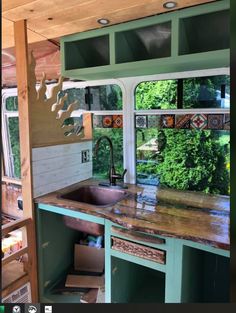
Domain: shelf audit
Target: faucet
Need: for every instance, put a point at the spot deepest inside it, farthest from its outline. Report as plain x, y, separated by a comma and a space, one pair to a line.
113, 176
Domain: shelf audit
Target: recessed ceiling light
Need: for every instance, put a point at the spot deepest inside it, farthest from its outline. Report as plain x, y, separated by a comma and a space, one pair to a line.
103, 21
169, 5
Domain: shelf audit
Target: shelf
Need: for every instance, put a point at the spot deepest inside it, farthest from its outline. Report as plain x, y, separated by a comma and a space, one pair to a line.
132, 283
88, 52
211, 32
144, 43
205, 277
183, 40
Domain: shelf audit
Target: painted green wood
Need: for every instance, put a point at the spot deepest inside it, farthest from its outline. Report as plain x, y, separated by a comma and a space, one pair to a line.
175, 63
206, 248
107, 262
54, 298
173, 272
112, 48
39, 243
205, 60
205, 276
133, 283
164, 246
186, 276
174, 37
71, 213
55, 249
137, 260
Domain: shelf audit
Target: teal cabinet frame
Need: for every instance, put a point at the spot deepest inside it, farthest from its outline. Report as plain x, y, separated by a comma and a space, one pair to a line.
173, 63
184, 258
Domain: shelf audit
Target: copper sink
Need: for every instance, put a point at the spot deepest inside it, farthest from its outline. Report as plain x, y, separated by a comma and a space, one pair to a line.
95, 195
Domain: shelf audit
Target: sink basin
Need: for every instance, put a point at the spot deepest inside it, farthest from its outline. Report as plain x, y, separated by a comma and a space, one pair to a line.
96, 195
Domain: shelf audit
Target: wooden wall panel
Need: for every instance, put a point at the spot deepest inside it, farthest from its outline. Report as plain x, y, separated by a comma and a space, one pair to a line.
56, 167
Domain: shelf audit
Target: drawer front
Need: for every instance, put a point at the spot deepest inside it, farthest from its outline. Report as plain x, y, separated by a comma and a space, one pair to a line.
138, 250
134, 235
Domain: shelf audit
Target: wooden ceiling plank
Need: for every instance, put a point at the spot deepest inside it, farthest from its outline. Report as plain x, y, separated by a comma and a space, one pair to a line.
86, 11
11, 4
8, 35
74, 20
40, 8
116, 17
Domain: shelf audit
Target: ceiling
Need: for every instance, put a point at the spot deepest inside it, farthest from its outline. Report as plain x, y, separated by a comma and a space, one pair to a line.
48, 20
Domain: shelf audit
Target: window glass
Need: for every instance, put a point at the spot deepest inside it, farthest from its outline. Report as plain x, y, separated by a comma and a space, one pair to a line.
200, 92
101, 162
156, 95
96, 98
13, 124
184, 159
206, 92
12, 103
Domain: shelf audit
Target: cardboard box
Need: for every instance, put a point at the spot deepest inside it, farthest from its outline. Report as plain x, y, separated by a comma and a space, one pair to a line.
87, 259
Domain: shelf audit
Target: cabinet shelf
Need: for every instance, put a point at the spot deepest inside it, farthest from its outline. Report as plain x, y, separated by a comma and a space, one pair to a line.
189, 39
88, 52
132, 283
211, 33
150, 42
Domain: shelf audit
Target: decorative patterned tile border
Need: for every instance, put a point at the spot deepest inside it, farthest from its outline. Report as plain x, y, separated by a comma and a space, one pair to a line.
215, 121
141, 121
183, 121
154, 121
227, 122
198, 121
107, 121
179, 121
168, 121
117, 121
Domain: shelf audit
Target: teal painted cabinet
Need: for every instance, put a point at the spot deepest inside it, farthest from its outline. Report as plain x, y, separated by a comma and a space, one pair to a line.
190, 39
187, 271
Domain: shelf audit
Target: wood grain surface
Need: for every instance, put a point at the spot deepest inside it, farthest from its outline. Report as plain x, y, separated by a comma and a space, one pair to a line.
61, 17
200, 224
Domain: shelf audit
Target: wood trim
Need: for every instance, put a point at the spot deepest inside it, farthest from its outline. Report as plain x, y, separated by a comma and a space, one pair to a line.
138, 250
14, 255
10, 180
7, 228
133, 235
15, 285
25, 94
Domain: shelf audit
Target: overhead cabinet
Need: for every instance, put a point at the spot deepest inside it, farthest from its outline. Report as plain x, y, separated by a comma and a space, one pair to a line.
189, 39
85, 53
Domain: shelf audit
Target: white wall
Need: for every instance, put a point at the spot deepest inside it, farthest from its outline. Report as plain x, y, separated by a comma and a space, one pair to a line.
55, 167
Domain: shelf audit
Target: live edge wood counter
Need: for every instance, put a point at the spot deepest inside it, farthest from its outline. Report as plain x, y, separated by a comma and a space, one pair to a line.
186, 215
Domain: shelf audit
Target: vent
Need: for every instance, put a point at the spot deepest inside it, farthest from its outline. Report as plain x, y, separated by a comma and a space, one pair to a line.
21, 295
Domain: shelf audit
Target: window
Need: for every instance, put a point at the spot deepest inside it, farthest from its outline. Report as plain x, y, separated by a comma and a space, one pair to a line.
105, 101
197, 92
184, 149
10, 134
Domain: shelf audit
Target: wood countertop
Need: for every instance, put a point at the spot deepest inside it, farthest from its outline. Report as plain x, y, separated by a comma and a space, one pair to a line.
172, 213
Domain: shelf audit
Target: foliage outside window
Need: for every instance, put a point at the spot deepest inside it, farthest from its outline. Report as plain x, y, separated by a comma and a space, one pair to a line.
101, 163
185, 159
200, 92
10, 133
12, 103
107, 97
13, 123
95, 98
